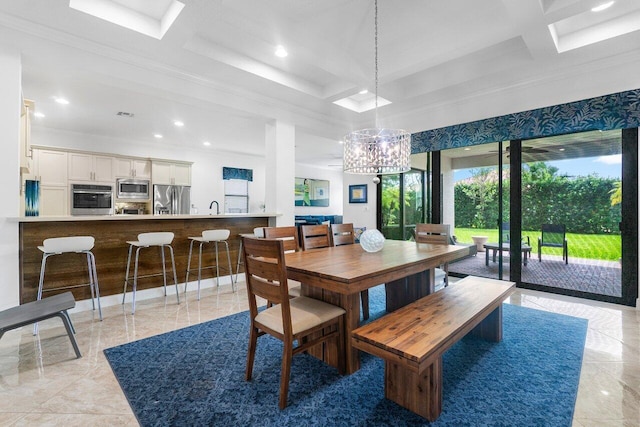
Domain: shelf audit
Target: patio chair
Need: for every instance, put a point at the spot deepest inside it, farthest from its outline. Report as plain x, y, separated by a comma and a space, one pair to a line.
554, 236
438, 234
506, 235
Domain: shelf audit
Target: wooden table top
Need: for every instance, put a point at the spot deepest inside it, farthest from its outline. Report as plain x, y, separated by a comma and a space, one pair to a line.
350, 269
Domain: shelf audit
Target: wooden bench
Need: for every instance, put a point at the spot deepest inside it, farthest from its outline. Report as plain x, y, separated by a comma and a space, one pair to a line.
413, 339
36, 311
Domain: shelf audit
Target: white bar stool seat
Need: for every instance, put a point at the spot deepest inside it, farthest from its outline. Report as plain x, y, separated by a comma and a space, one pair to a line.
72, 244
215, 237
161, 240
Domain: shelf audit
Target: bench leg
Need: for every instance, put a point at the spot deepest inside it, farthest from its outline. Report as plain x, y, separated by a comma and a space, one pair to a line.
69, 327
419, 393
490, 328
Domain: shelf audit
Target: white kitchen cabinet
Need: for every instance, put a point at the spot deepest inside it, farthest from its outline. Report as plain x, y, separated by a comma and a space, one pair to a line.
90, 168
54, 201
170, 173
132, 168
49, 167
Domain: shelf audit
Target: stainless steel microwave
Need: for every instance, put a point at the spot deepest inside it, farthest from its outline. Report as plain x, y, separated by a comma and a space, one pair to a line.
128, 188
87, 199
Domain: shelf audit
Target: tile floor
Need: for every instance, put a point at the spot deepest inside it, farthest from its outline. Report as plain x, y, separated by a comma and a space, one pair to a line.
41, 382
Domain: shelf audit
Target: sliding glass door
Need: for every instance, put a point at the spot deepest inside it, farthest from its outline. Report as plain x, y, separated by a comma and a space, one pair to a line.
522, 200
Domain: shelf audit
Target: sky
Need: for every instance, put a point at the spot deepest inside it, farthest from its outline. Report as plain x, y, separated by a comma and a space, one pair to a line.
603, 166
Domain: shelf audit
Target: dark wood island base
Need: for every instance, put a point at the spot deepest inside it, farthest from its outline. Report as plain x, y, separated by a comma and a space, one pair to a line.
111, 234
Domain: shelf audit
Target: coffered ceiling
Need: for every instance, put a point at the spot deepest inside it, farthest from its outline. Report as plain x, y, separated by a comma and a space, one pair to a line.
440, 63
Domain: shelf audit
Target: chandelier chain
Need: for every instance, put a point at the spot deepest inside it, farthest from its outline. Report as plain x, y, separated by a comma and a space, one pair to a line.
376, 56
377, 151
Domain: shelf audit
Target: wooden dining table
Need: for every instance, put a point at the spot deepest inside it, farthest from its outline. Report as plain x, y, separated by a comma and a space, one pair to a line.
338, 274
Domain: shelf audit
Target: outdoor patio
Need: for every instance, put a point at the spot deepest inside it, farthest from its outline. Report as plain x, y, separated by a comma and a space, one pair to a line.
595, 276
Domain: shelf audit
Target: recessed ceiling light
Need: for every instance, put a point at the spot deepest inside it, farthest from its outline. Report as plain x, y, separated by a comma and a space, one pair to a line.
561, 149
206, 143
38, 115
341, 142
157, 136
602, 7
62, 101
363, 92
281, 52
467, 149
178, 123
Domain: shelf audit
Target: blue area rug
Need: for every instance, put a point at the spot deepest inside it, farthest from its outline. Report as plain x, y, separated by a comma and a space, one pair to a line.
195, 377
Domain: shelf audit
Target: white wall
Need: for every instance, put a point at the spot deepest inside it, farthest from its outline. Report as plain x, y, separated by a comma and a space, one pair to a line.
360, 214
448, 193
10, 83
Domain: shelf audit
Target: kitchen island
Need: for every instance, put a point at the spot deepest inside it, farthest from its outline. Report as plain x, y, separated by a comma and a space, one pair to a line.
111, 235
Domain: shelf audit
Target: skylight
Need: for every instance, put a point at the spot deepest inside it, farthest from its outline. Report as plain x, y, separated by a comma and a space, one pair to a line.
587, 27
149, 17
361, 102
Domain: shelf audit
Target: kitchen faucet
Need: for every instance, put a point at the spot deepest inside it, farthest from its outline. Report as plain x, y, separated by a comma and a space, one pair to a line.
217, 207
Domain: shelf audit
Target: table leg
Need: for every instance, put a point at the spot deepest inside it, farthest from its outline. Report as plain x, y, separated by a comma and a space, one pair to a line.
409, 289
486, 257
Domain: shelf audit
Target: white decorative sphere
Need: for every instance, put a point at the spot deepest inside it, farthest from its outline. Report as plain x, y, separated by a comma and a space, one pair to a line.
372, 240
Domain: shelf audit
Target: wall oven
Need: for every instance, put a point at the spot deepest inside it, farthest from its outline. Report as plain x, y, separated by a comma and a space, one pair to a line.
89, 199
127, 188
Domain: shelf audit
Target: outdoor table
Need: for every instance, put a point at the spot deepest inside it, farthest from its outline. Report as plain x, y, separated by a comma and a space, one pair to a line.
526, 251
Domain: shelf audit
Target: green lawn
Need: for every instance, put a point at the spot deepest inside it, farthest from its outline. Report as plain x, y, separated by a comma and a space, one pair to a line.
594, 246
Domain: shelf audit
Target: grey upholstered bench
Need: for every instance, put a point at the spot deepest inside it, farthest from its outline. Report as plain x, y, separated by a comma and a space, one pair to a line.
46, 308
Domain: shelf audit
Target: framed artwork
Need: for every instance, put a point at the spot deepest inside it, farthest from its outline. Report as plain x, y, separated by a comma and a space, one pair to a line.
358, 193
311, 192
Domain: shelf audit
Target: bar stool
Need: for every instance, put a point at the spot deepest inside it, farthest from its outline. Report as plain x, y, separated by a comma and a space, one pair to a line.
215, 237
146, 240
72, 244
257, 232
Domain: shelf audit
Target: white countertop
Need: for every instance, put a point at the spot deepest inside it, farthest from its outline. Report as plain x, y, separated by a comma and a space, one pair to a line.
136, 217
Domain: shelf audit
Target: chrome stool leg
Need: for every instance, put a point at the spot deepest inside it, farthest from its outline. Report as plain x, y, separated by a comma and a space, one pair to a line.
186, 280
175, 276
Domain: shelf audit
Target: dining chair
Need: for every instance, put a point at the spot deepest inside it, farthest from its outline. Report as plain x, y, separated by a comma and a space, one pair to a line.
291, 243
288, 235
344, 234
306, 321
435, 234
315, 236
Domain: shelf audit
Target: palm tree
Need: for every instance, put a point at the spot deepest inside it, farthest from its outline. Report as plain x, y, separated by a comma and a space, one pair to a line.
616, 193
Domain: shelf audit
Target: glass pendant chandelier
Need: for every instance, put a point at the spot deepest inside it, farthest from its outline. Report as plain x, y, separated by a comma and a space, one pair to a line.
377, 151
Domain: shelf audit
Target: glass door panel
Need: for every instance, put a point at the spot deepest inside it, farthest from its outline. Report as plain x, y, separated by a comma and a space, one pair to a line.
413, 202
472, 203
391, 208
571, 202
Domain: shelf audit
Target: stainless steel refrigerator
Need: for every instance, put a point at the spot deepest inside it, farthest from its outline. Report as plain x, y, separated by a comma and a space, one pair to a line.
171, 199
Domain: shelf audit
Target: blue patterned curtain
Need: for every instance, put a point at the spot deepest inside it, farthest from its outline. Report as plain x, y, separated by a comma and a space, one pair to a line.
616, 111
235, 173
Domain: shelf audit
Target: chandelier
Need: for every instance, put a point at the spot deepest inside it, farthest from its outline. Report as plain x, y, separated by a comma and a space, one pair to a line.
377, 151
